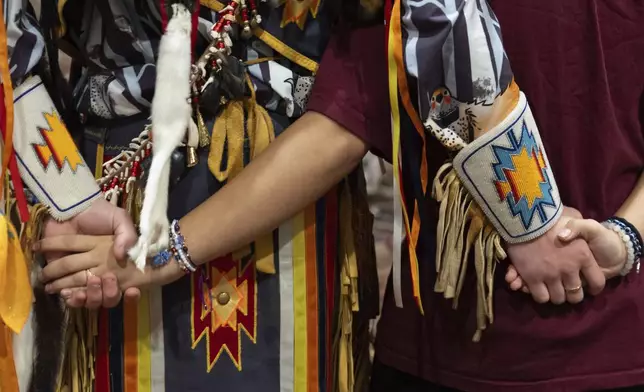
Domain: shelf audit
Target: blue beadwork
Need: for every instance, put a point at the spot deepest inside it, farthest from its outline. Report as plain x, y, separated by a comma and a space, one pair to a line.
177, 249
634, 235
162, 258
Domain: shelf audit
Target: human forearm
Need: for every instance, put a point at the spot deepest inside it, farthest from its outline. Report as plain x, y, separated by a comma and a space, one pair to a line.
633, 208
301, 165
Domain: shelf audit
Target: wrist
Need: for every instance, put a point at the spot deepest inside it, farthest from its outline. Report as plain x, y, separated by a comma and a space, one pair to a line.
620, 267
631, 240
166, 274
171, 263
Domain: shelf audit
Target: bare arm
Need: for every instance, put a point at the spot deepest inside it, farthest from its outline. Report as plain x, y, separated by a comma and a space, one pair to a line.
302, 164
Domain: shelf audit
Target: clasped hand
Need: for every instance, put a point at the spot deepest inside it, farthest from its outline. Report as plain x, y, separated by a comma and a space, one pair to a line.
82, 286
575, 256
91, 271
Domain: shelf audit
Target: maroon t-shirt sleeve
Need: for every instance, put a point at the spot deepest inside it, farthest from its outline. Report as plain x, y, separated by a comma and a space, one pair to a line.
351, 86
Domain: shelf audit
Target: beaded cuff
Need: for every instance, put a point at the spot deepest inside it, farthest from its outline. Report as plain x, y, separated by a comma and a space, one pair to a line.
632, 241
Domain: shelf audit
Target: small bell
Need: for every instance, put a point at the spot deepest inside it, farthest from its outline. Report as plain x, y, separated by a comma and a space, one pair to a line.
246, 31
191, 157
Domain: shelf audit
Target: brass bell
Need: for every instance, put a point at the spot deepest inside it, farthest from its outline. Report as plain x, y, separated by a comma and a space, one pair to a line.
191, 157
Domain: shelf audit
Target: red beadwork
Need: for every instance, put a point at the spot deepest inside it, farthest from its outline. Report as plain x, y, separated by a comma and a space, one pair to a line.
252, 4
135, 169
217, 27
221, 44
244, 13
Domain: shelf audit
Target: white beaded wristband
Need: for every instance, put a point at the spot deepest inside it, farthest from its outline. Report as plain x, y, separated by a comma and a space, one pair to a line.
628, 243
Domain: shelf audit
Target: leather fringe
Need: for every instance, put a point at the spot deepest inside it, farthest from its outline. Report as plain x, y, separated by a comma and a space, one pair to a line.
462, 227
359, 301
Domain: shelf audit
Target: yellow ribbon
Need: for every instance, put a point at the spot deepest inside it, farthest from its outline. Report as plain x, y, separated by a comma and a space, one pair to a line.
396, 76
15, 288
8, 377
15, 300
227, 132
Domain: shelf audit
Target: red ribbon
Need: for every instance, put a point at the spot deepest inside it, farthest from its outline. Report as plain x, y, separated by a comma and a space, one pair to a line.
102, 364
21, 199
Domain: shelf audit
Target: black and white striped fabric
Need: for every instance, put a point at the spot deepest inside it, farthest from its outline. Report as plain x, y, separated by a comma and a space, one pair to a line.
24, 39
454, 44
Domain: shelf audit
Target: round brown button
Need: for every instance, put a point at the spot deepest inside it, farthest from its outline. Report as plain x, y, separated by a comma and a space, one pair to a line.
223, 298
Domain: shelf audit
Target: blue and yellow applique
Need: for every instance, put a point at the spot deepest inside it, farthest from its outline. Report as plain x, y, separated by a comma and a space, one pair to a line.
521, 177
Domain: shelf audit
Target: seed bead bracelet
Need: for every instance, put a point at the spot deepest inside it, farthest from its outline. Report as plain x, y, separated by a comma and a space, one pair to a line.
632, 240
178, 249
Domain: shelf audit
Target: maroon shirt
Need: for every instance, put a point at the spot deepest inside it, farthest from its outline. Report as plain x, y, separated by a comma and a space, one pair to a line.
581, 65
351, 86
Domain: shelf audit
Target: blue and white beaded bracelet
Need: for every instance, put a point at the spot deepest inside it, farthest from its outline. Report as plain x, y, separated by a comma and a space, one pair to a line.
632, 241
178, 249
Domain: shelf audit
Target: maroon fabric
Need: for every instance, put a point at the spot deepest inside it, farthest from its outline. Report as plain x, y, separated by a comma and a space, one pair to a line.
351, 86
581, 64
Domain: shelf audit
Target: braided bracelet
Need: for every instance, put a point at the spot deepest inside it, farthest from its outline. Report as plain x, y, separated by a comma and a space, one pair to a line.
178, 249
632, 241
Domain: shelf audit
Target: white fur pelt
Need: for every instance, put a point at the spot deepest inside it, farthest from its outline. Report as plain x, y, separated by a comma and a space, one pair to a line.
171, 115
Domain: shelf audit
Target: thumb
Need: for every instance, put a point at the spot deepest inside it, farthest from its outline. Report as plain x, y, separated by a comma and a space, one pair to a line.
125, 235
587, 229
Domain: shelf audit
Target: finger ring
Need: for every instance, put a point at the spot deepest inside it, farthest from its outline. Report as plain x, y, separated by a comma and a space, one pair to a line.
574, 289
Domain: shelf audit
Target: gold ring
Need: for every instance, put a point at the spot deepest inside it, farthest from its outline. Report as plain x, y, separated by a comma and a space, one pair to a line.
573, 290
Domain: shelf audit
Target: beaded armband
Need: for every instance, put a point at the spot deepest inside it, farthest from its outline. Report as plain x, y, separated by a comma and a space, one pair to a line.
177, 249
632, 241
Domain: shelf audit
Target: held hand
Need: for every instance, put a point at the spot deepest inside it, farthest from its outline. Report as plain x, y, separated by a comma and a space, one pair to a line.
99, 292
551, 269
90, 258
102, 218
606, 245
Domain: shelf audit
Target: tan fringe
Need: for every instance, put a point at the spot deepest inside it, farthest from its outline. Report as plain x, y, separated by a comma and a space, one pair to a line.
78, 366
348, 295
32, 231
463, 228
359, 301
